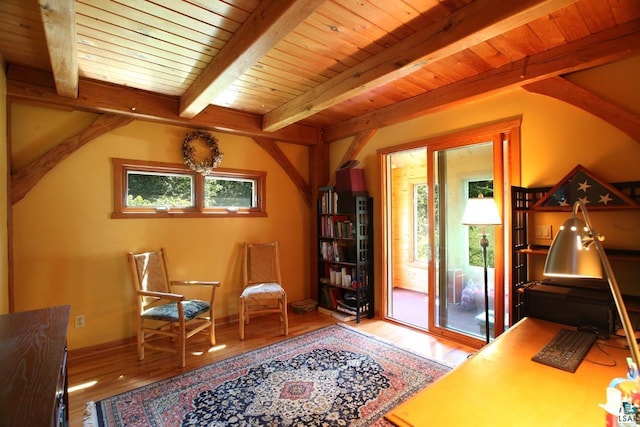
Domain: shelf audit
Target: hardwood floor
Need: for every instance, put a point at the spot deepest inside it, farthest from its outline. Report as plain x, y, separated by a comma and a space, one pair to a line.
99, 372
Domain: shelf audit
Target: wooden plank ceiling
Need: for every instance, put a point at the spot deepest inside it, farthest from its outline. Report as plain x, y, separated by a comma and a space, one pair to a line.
277, 68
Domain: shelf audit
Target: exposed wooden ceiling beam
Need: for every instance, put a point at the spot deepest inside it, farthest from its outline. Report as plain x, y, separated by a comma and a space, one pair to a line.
34, 86
268, 24
468, 26
59, 20
601, 48
24, 179
564, 90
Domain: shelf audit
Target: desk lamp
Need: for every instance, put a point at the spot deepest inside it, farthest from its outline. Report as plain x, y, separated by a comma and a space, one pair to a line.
483, 211
570, 255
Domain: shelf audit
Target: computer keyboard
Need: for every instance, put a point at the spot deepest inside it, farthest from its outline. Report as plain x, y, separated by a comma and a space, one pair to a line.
566, 350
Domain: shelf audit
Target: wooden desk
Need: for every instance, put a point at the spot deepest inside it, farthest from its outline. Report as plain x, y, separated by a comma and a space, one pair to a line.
33, 368
501, 386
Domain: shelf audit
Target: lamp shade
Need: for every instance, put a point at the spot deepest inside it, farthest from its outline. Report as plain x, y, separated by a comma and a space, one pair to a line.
577, 251
481, 211
569, 257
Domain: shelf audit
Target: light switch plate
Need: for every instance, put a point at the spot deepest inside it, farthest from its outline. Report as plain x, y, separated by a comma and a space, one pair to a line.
543, 232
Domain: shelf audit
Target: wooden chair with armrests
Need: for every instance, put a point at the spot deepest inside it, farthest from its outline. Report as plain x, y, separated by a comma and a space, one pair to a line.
161, 312
263, 292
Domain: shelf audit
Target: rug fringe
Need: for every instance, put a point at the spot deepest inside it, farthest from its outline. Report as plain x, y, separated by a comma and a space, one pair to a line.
90, 416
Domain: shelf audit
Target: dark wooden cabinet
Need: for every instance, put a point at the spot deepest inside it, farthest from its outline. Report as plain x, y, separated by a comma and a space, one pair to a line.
33, 368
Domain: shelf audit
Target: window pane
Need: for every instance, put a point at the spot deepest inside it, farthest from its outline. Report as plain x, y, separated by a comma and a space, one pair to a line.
157, 189
461, 172
229, 193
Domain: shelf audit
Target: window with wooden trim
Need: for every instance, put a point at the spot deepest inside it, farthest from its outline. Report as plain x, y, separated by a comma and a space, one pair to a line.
153, 189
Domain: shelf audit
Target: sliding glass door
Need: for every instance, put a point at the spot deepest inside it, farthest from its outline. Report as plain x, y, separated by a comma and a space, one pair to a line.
459, 296
432, 264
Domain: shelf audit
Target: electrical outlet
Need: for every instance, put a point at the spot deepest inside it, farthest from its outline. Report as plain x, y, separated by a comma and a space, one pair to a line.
80, 321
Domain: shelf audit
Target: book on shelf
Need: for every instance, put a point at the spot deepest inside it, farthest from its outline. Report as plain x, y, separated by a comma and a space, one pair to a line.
336, 251
335, 295
349, 309
339, 252
328, 202
326, 250
343, 317
342, 227
330, 297
324, 300
336, 226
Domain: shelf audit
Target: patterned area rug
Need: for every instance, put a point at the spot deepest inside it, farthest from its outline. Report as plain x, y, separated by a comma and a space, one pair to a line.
335, 376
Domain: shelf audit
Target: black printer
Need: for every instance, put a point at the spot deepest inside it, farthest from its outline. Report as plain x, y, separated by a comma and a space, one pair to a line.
571, 305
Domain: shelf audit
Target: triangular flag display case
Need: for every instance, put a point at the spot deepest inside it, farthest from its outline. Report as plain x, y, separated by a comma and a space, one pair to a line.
579, 183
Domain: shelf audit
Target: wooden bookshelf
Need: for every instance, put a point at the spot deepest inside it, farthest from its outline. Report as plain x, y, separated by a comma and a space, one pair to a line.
345, 254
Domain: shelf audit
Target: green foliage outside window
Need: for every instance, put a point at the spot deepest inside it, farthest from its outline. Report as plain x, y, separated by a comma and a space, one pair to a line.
159, 190
228, 193
152, 190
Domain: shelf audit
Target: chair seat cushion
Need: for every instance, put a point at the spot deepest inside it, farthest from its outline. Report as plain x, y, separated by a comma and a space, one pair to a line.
169, 312
263, 291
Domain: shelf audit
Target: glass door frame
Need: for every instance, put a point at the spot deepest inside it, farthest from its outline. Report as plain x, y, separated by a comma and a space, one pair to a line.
506, 166
499, 267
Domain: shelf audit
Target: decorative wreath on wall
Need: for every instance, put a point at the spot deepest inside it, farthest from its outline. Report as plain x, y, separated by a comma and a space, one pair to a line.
200, 151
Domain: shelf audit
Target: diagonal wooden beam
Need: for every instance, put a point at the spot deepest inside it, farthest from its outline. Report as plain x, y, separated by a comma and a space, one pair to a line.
270, 22
600, 48
468, 26
59, 20
358, 143
32, 86
24, 179
564, 90
278, 155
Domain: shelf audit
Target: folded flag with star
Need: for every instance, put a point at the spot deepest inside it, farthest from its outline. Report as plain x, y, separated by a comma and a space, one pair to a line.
580, 184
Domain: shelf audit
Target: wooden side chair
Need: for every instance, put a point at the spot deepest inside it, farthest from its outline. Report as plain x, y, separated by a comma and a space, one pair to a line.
263, 291
164, 313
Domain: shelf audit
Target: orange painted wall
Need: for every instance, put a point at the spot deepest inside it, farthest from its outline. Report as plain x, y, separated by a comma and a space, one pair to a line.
69, 251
